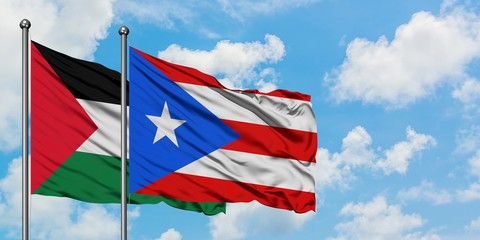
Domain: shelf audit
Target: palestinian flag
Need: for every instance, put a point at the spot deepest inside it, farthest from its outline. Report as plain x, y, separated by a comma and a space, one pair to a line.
75, 132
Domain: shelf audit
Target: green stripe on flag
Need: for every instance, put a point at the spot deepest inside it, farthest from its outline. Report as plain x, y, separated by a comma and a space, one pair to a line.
96, 178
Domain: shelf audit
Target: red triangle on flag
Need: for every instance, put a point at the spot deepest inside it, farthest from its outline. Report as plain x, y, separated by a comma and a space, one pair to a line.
59, 124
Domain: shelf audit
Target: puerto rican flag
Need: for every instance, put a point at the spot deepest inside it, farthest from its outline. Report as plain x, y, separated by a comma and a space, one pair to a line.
194, 140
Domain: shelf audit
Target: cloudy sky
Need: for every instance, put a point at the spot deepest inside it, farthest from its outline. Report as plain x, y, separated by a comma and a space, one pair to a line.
395, 88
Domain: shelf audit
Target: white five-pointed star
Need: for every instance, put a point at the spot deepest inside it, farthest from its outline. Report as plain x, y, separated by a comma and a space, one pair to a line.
165, 125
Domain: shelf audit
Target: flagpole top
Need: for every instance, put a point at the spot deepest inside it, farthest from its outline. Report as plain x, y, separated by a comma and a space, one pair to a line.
25, 24
123, 30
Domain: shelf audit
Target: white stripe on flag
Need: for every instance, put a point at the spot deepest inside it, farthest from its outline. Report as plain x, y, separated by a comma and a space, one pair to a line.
254, 108
106, 139
253, 168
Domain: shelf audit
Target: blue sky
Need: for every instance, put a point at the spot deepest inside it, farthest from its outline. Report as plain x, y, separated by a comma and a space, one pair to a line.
395, 89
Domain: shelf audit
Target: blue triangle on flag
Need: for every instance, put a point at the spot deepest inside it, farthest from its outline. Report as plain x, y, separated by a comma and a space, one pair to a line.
200, 134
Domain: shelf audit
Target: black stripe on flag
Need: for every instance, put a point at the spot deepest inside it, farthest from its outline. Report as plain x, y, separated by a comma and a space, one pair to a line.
85, 80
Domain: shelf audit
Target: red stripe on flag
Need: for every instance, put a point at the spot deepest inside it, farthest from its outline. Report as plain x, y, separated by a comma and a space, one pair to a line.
203, 189
59, 123
179, 73
273, 141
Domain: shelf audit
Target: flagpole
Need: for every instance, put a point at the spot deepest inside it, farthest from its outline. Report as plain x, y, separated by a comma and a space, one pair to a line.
123, 31
25, 26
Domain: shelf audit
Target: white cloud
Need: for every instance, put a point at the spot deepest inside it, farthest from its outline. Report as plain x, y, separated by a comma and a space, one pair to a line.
468, 140
472, 193
11, 196
72, 221
134, 213
413, 65
169, 13
468, 93
242, 69
474, 163
420, 236
378, 220
202, 16
170, 234
337, 169
73, 27
425, 191
331, 171
473, 226
244, 219
161, 12
398, 157
471, 231
448, 5
53, 217
355, 151
69, 26
242, 9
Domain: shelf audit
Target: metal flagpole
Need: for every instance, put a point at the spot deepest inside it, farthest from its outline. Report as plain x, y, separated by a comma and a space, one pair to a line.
123, 31
25, 26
